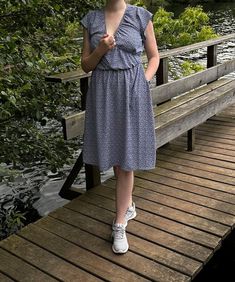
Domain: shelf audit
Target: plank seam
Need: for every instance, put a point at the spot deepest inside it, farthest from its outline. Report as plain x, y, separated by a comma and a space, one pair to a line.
63, 258
29, 263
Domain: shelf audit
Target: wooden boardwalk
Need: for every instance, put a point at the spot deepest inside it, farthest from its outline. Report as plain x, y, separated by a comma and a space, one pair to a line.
186, 208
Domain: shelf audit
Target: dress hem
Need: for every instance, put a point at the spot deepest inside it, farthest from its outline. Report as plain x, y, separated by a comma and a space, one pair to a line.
122, 167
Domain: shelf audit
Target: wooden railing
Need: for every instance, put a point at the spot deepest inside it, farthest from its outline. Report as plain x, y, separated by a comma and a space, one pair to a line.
92, 173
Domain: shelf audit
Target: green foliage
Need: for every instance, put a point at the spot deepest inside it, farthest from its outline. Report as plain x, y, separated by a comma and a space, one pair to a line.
191, 27
37, 38
139, 3
16, 211
10, 223
188, 67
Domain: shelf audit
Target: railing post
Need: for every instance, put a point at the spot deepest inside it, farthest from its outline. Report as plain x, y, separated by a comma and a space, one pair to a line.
92, 172
162, 72
191, 139
92, 176
84, 82
211, 56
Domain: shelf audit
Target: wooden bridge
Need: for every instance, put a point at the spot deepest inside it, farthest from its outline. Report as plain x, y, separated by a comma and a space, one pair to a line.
186, 209
185, 206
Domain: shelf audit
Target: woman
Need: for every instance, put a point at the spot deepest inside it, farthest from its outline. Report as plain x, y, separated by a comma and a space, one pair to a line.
119, 122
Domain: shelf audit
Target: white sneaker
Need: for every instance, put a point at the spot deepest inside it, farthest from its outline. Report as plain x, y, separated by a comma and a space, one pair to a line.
120, 243
131, 212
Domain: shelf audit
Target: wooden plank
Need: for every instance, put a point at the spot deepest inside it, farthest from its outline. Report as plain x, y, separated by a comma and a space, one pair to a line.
73, 125
165, 170
5, 278
200, 131
178, 210
205, 164
186, 196
174, 88
190, 207
230, 144
161, 177
87, 240
220, 129
226, 120
74, 254
158, 195
144, 267
182, 246
169, 126
144, 231
170, 226
217, 147
215, 160
195, 46
219, 122
67, 76
194, 94
195, 105
45, 261
19, 270
189, 167
208, 147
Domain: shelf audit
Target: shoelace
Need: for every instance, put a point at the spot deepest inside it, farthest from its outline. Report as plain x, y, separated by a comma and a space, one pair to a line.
119, 232
129, 211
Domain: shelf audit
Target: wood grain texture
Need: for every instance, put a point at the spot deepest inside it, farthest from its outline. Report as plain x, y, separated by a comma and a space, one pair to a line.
147, 232
69, 219
76, 255
175, 88
185, 211
46, 261
5, 278
19, 270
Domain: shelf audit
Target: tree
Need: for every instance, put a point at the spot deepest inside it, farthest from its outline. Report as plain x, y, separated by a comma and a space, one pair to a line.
37, 38
192, 26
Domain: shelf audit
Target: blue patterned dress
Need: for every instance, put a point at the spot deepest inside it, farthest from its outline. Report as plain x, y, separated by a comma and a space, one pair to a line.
119, 120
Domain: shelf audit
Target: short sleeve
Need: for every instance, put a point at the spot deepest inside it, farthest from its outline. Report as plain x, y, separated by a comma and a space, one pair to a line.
85, 21
144, 16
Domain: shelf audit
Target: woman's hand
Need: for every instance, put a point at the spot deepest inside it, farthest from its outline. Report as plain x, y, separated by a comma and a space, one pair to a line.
90, 58
107, 42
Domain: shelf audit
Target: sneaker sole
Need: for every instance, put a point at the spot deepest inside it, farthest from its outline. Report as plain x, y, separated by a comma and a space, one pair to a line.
120, 252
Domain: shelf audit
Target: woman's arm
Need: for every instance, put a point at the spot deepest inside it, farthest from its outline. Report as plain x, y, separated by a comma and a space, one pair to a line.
151, 51
90, 59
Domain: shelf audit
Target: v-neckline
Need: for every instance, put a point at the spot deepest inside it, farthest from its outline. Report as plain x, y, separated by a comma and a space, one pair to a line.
120, 23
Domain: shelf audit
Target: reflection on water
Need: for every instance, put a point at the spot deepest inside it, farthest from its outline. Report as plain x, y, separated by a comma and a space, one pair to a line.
48, 184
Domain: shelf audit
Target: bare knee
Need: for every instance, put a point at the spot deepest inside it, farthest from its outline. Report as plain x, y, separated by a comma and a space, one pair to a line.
119, 172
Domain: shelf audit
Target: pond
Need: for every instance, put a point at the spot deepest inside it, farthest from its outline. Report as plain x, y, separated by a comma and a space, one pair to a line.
45, 185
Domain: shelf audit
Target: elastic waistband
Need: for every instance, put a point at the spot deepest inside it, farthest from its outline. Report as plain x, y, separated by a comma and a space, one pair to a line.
102, 68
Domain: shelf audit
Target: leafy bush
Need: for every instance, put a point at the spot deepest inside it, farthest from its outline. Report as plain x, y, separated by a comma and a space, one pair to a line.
37, 38
191, 27
16, 211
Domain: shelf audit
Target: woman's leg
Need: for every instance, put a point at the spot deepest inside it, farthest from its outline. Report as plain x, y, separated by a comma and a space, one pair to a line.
124, 187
